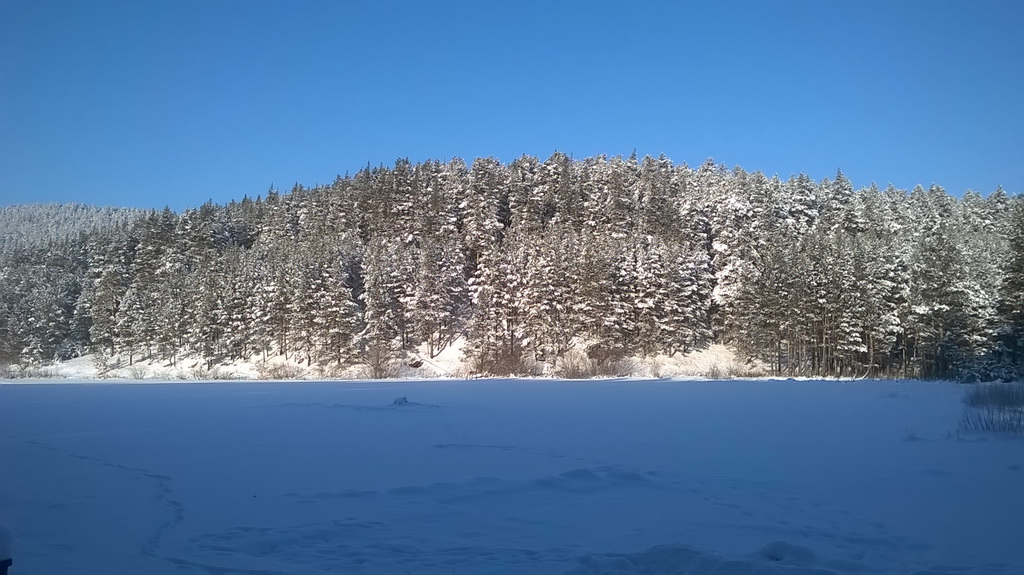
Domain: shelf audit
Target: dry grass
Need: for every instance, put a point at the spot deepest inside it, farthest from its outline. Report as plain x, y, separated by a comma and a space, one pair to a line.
996, 407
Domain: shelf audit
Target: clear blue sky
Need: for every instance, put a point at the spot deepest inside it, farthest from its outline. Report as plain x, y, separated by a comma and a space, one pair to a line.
154, 102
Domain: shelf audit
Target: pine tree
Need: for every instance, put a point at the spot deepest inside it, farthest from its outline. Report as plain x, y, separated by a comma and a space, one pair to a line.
1011, 302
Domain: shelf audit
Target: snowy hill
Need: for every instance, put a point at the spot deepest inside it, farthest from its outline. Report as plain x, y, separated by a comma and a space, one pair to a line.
558, 267
37, 224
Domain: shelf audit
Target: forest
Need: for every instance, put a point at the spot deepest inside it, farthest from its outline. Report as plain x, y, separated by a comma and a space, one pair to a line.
537, 267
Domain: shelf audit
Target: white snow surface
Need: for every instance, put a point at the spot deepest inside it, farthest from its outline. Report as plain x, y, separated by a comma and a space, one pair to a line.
6, 542
506, 476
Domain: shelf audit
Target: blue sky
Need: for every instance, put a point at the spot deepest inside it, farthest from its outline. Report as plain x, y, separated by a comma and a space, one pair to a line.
147, 103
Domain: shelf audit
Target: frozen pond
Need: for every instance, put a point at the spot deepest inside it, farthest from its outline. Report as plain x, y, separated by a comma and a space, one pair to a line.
505, 476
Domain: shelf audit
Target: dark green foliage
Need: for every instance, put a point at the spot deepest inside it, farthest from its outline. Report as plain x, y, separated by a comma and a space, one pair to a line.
1011, 295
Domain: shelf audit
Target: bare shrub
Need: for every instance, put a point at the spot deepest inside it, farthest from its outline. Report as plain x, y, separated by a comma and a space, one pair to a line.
279, 371
574, 365
138, 372
27, 372
15, 371
718, 371
505, 364
748, 370
329, 371
218, 373
655, 367
365, 371
203, 373
380, 361
996, 407
103, 363
732, 370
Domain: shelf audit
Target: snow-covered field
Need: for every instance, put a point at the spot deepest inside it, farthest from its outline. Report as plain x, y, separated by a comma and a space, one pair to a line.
505, 476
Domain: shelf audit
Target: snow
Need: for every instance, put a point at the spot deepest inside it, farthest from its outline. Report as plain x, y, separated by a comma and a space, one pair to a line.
506, 476
6, 542
717, 361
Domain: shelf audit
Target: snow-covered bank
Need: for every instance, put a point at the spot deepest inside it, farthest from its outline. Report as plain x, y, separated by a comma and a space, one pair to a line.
716, 362
513, 476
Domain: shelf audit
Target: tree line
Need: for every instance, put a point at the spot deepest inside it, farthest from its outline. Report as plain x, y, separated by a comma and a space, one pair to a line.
537, 265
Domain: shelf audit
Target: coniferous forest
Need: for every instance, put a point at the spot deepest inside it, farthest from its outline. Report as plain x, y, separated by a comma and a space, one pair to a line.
530, 263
